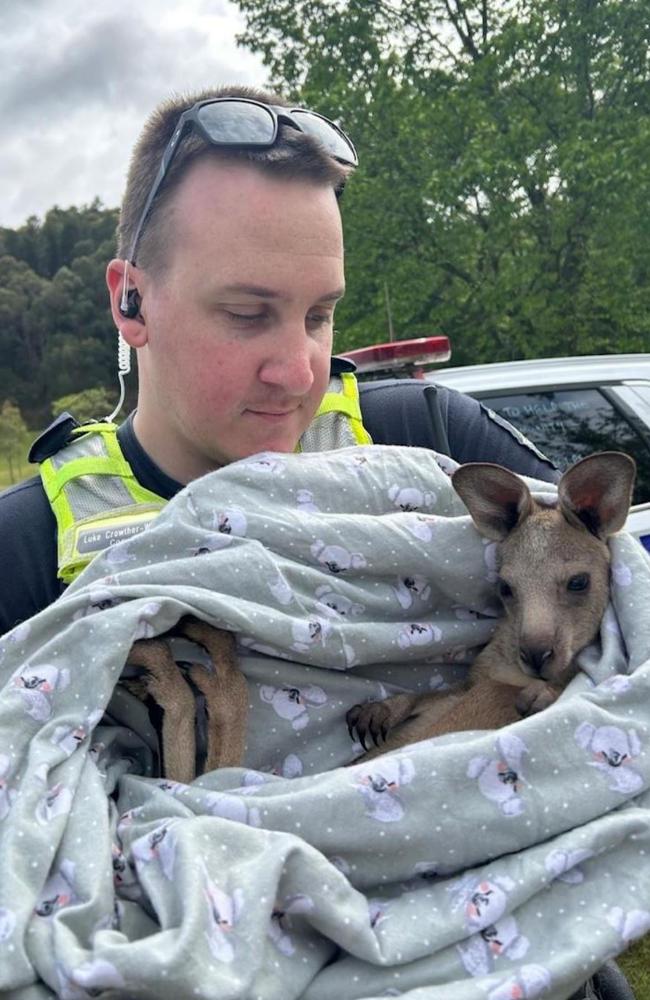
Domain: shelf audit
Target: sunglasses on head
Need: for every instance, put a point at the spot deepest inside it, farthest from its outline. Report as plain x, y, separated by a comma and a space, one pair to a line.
246, 124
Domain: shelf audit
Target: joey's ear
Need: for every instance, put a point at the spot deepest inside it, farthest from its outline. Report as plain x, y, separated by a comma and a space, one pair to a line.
497, 499
596, 492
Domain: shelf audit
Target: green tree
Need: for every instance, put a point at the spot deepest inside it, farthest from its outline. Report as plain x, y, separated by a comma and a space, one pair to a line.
23, 331
56, 331
505, 164
62, 236
13, 439
89, 404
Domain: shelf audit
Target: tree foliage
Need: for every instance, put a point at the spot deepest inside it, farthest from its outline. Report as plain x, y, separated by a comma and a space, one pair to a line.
13, 440
501, 198
89, 404
505, 164
56, 333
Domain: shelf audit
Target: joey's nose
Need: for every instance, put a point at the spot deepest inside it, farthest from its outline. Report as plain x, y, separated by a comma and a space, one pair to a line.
535, 657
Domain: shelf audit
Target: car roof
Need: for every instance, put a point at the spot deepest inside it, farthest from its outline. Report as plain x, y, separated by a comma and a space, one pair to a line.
545, 372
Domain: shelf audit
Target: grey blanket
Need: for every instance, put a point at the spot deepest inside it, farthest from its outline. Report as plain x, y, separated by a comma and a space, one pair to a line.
483, 865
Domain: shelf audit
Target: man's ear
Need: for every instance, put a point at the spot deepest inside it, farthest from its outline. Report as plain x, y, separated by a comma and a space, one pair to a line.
133, 329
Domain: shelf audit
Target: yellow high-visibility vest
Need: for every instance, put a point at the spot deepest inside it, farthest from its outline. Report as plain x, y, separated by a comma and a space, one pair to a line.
97, 500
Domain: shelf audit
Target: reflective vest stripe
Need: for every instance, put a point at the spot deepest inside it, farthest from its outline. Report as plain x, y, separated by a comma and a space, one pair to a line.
94, 496
97, 501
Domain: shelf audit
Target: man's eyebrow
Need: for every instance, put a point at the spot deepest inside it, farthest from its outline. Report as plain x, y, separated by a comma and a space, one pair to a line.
333, 296
261, 292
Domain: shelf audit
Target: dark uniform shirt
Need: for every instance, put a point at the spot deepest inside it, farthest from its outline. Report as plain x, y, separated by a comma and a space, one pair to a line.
400, 411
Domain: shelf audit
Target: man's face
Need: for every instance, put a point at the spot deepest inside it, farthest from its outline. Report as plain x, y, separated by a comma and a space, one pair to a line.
234, 351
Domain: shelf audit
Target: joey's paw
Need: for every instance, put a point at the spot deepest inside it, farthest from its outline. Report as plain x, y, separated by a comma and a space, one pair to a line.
535, 698
369, 721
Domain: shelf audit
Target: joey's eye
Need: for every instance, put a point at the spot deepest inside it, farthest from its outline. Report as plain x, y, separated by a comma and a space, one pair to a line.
578, 583
505, 590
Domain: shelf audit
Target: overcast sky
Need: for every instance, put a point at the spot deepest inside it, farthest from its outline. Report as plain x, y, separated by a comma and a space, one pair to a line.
78, 78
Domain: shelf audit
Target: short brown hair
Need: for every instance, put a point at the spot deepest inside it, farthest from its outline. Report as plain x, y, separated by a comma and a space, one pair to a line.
295, 155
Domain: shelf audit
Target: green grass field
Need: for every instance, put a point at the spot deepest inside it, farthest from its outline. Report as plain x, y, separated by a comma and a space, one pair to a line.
635, 963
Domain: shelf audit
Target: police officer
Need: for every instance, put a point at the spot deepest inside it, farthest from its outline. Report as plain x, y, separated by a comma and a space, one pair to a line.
229, 269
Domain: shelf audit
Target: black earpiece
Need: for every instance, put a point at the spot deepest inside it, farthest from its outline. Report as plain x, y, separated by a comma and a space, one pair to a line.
132, 307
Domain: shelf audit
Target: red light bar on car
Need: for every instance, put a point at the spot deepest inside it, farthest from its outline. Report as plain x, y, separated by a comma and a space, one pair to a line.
401, 353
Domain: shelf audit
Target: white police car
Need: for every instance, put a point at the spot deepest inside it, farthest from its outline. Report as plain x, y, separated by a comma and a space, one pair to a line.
570, 407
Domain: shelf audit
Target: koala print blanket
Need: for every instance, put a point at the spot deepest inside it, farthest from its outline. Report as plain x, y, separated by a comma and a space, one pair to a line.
479, 866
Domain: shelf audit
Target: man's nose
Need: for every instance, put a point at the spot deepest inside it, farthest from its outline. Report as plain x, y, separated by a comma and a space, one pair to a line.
290, 364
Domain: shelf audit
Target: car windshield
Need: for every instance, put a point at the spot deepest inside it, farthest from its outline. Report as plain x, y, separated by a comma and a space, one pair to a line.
568, 424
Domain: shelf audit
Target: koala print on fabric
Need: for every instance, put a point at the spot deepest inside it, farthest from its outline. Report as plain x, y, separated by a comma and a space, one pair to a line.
17, 635
160, 846
7, 923
293, 703
119, 555
617, 684
612, 751
336, 605
281, 590
212, 543
423, 871
378, 912
266, 464
336, 558
37, 687
125, 879
7, 792
225, 910
490, 559
410, 498
56, 802
355, 462
422, 526
483, 901
480, 952
282, 924
629, 925
530, 982
418, 634
290, 767
100, 598
305, 502
58, 890
410, 588
446, 464
98, 975
622, 573
69, 738
564, 865
230, 521
246, 643
499, 778
146, 627
232, 808
379, 783
309, 633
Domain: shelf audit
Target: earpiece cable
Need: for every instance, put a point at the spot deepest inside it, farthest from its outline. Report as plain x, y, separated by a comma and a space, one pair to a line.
123, 352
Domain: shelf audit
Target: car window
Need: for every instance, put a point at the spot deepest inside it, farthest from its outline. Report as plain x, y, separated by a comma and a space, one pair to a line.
569, 424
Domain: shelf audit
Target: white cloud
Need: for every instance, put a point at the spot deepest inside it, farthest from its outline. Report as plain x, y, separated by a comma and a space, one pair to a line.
77, 82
